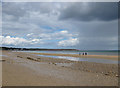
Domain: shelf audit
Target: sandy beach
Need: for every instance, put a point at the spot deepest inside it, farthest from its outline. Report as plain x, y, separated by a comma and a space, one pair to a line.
26, 69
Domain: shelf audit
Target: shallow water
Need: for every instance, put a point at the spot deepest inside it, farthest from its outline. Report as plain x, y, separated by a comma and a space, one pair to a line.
76, 52
107, 61
4, 55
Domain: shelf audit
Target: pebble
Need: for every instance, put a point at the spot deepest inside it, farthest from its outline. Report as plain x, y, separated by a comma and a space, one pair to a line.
19, 56
106, 74
116, 75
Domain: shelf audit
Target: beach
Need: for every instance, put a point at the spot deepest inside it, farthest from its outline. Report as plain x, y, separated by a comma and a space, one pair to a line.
83, 56
29, 69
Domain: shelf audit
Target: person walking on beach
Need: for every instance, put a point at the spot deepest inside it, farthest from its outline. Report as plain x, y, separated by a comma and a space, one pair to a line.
83, 53
79, 53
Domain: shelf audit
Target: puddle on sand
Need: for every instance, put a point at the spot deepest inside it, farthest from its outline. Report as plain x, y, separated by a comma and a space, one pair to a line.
3, 55
107, 61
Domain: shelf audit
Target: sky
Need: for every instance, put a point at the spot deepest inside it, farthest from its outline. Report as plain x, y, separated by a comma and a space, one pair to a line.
74, 25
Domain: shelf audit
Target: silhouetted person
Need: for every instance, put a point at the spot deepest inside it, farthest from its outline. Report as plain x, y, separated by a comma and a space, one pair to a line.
85, 53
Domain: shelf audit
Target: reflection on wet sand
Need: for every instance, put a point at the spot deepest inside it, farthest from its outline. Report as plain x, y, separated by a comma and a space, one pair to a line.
83, 59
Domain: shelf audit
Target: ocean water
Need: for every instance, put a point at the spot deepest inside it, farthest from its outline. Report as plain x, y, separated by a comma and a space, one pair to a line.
113, 52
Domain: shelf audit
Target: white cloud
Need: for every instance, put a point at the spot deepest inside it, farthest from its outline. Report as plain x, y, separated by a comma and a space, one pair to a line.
64, 34
34, 41
8, 40
69, 42
29, 34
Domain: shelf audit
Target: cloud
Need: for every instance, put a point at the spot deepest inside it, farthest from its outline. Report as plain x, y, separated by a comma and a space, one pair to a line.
16, 41
64, 34
8, 40
94, 25
56, 35
29, 34
20, 9
89, 11
14, 9
69, 42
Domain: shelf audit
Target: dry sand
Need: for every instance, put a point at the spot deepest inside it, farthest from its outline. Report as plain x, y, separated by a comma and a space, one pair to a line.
25, 69
1, 69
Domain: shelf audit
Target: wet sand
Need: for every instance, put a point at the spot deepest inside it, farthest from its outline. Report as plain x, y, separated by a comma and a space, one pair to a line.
83, 56
26, 69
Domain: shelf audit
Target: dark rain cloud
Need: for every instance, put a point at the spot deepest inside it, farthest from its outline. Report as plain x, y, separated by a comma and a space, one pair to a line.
20, 9
104, 11
98, 35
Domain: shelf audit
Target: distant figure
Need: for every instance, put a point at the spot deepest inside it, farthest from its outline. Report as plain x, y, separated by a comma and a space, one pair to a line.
85, 53
79, 53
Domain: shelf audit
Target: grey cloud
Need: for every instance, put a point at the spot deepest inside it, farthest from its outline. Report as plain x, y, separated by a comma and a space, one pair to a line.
99, 35
104, 11
14, 9
40, 7
21, 8
34, 17
97, 44
98, 29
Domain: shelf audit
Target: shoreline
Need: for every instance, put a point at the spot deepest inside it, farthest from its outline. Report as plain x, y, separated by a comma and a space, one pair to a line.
42, 71
82, 56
